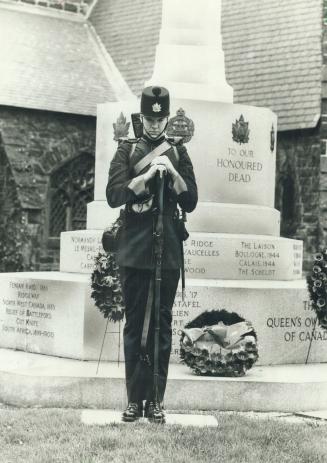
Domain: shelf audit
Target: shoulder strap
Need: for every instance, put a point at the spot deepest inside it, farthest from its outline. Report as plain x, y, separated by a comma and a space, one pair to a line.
158, 151
132, 151
176, 153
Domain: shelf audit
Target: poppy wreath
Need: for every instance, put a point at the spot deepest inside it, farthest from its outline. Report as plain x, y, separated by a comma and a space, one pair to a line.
106, 287
317, 287
219, 343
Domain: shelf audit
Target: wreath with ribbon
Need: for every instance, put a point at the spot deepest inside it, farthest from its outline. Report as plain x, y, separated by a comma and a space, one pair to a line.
317, 287
106, 287
219, 343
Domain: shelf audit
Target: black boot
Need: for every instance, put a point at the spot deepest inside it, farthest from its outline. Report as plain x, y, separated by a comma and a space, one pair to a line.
133, 412
154, 412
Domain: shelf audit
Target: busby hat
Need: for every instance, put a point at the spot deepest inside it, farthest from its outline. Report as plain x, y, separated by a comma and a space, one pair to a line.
155, 102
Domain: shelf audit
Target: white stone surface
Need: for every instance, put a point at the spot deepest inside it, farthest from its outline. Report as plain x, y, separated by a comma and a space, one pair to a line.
207, 255
37, 365
50, 313
32, 380
100, 215
190, 34
66, 322
234, 218
280, 313
226, 171
78, 249
210, 217
104, 417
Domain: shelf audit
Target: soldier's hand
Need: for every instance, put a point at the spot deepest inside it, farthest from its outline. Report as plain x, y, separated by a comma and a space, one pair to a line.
165, 161
151, 172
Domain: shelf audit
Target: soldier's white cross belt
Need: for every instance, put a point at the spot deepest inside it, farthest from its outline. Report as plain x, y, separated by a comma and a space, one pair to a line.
158, 151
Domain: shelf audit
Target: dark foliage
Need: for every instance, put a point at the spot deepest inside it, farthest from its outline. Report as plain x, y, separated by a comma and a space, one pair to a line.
317, 287
14, 238
106, 287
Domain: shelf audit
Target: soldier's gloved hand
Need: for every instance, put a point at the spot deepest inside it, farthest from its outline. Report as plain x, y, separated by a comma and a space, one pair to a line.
165, 161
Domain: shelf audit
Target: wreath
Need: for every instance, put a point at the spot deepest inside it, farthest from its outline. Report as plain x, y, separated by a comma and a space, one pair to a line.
317, 286
219, 343
106, 287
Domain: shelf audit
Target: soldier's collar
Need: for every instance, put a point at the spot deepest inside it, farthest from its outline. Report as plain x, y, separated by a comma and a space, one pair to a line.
157, 141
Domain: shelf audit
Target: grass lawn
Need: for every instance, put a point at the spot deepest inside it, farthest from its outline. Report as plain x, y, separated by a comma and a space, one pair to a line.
52, 435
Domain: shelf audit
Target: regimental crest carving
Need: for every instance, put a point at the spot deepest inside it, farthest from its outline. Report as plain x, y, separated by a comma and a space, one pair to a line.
121, 127
156, 108
272, 138
181, 126
240, 130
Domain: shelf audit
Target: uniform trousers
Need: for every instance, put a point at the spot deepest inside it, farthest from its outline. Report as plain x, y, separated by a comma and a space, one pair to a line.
139, 375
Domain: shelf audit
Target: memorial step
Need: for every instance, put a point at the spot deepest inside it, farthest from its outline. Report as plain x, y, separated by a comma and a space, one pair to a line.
31, 380
208, 216
207, 255
53, 313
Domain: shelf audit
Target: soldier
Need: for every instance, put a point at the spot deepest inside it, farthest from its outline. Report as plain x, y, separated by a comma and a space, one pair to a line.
132, 182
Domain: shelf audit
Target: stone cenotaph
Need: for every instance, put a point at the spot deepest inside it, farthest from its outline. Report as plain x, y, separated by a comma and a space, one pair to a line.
235, 258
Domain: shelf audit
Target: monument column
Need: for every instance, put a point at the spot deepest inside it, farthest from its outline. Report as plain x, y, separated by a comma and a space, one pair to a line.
189, 57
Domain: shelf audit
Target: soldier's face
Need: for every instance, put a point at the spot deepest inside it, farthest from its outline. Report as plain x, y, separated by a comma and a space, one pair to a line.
154, 126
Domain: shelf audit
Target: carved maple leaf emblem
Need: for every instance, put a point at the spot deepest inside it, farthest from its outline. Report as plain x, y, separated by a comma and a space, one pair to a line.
121, 127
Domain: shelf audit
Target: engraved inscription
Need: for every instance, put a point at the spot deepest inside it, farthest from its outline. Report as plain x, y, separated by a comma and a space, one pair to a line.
298, 328
257, 259
183, 311
197, 248
26, 312
240, 165
86, 248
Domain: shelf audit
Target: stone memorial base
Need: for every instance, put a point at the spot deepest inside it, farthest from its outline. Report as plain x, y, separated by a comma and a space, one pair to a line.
52, 313
207, 255
61, 383
209, 216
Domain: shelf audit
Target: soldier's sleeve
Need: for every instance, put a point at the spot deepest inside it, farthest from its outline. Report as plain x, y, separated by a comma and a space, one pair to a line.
121, 187
184, 186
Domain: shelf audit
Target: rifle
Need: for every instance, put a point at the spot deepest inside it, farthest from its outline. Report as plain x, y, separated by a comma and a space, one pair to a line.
154, 296
158, 249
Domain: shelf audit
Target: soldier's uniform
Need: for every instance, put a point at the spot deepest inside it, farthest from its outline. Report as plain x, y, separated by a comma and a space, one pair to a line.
135, 255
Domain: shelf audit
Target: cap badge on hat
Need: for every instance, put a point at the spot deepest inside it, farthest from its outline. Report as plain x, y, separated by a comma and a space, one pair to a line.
156, 108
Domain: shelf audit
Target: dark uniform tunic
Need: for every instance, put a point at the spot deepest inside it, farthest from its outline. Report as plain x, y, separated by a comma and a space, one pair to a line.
135, 254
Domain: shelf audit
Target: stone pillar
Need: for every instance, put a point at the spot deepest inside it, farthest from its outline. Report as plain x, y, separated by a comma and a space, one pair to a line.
190, 35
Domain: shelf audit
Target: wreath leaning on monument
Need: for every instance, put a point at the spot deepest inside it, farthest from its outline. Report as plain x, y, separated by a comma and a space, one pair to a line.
219, 343
317, 286
106, 287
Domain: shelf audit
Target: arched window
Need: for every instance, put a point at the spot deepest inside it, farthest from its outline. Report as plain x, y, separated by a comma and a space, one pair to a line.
71, 188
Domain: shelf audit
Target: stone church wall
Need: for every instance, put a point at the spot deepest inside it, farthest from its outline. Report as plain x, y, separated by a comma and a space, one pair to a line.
36, 144
297, 188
